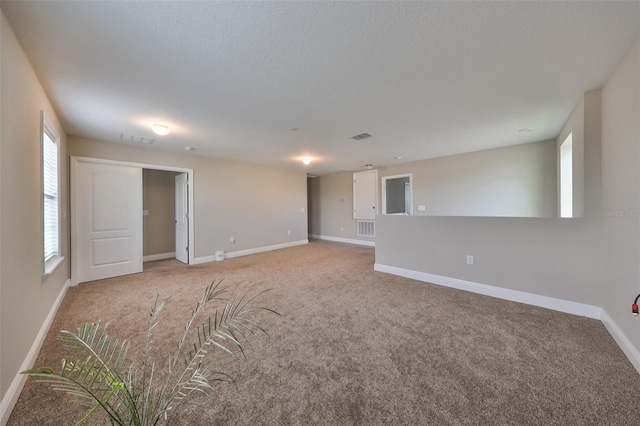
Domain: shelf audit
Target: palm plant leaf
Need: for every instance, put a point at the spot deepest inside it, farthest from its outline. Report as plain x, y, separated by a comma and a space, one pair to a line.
96, 374
95, 377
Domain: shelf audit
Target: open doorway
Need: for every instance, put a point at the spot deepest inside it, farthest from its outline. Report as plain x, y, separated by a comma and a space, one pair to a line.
165, 215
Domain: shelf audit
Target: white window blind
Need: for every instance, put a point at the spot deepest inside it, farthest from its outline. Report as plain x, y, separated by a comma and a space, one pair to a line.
50, 194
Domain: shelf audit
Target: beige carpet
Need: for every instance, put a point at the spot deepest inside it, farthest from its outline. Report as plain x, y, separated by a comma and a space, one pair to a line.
357, 347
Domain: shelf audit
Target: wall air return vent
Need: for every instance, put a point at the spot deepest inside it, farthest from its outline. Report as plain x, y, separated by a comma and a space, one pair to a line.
137, 139
366, 228
361, 136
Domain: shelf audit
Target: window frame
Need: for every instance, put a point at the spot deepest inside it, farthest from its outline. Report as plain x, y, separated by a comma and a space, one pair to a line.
565, 180
49, 265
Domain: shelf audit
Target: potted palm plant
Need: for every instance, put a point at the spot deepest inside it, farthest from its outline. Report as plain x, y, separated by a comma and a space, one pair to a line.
99, 373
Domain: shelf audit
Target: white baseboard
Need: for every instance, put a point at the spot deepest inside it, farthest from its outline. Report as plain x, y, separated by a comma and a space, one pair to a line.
11, 397
204, 259
566, 306
232, 254
627, 347
344, 240
161, 256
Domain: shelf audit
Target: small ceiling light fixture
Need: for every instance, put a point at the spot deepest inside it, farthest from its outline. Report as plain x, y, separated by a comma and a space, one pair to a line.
189, 148
306, 161
160, 129
398, 157
526, 130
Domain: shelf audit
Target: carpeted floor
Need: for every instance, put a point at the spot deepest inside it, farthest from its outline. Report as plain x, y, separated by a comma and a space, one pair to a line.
357, 347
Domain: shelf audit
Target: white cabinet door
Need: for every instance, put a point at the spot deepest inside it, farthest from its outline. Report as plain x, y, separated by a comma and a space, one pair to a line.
182, 218
365, 195
107, 220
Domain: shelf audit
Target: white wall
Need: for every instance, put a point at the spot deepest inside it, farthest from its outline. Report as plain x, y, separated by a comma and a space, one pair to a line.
620, 195
255, 204
25, 298
515, 181
331, 207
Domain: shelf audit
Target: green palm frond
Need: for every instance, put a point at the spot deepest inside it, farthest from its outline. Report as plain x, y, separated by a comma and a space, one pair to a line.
97, 378
96, 373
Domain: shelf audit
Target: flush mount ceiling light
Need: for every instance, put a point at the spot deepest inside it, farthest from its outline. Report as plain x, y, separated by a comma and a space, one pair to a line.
525, 130
160, 129
189, 148
306, 161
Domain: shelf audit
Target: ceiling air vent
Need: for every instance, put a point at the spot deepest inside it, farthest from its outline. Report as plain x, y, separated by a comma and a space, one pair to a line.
137, 139
361, 136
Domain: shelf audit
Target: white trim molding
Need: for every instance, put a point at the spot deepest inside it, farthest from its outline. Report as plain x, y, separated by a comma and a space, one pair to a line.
11, 397
343, 240
161, 256
232, 254
623, 342
204, 259
561, 305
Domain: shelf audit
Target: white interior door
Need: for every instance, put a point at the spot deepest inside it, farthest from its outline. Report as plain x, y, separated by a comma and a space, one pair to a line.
107, 215
182, 218
365, 195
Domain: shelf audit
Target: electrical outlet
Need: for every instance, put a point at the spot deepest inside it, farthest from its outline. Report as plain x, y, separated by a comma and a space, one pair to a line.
469, 259
342, 229
289, 232
421, 208
232, 240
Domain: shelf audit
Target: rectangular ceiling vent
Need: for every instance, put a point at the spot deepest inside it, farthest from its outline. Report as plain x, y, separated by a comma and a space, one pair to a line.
335, 172
137, 139
361, 136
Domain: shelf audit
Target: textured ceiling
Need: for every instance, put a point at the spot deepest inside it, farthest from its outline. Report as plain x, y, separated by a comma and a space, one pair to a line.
426, 79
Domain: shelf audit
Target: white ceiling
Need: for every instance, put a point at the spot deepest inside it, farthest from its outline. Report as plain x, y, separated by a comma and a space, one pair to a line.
426, 79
